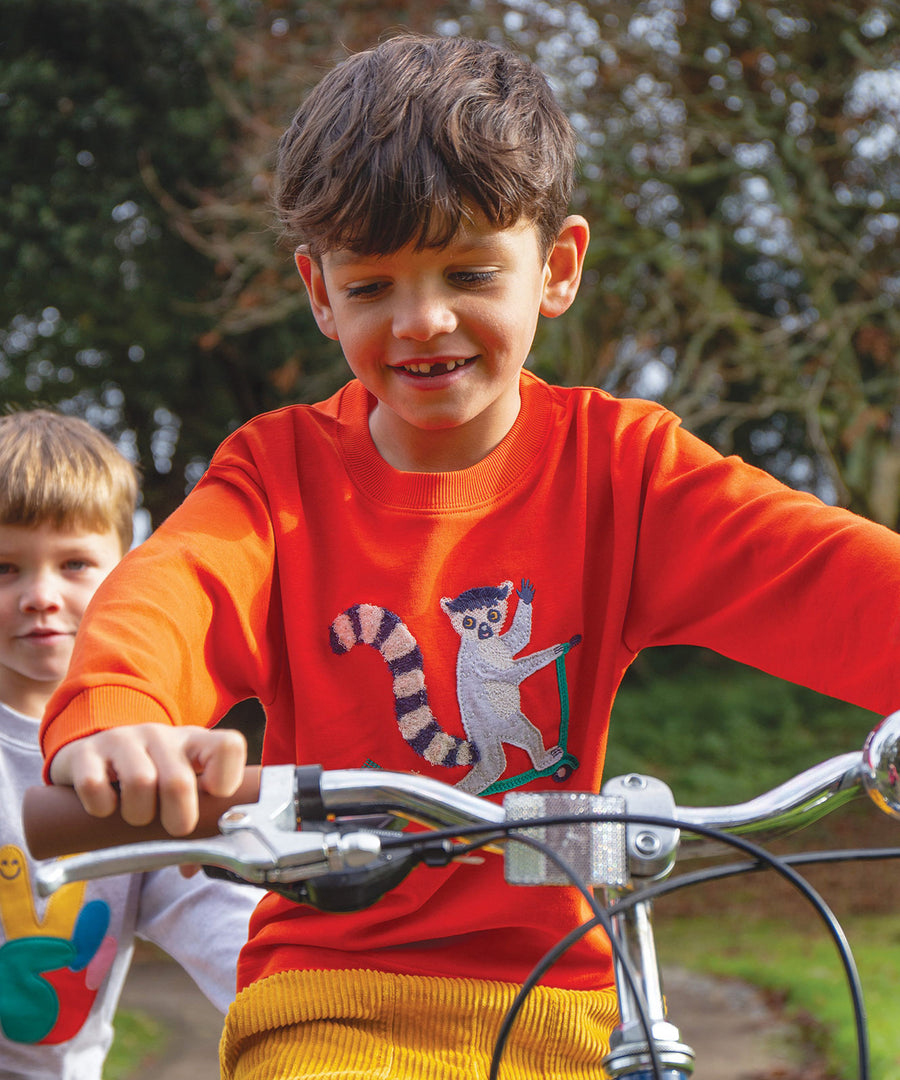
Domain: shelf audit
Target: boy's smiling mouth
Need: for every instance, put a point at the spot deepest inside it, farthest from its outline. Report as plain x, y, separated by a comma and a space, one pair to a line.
432, 368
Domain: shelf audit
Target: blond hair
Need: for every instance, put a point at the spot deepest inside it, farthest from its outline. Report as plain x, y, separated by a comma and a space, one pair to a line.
59, 470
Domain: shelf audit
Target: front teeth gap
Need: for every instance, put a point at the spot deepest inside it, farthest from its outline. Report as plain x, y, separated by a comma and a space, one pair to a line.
425, 369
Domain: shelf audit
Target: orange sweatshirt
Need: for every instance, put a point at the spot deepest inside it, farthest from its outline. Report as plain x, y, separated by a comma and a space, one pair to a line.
413, 622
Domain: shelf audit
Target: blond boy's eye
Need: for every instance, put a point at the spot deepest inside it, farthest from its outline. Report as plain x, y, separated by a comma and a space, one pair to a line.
7, 568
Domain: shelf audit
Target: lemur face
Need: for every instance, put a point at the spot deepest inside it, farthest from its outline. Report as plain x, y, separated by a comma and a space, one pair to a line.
478, 613
485, 622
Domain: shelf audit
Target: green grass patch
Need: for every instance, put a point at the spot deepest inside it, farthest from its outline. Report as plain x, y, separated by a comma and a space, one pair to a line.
137, 1038
804, 967
720, 733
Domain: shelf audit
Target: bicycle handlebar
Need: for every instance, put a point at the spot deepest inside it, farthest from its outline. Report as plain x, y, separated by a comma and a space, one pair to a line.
310, 834
281, 827
56, 823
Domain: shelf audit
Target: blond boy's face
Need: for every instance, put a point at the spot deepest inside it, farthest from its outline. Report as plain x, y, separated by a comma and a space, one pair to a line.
439, 336
47, 578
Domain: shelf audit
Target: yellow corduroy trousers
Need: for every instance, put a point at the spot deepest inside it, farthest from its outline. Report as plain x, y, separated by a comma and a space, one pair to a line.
365, 1025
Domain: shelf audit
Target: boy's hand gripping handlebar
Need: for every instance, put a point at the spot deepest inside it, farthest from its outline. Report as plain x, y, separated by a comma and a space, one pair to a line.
287, 824
332, 839
296, 829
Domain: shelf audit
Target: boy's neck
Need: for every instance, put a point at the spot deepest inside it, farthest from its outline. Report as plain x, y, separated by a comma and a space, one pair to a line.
411, 449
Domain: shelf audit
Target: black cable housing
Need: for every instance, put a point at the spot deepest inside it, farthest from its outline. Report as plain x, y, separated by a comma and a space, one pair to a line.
758, 859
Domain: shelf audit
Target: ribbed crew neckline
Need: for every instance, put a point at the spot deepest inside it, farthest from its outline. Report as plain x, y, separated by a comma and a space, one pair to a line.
464, 489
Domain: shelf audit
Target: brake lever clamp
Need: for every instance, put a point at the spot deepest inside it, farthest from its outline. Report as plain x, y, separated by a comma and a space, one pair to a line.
358, 871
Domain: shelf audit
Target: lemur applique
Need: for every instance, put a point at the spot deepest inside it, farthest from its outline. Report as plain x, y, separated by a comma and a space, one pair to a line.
488, 676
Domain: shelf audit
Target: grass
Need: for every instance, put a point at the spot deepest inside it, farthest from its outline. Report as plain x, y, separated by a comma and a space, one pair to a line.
802, 967
720, 733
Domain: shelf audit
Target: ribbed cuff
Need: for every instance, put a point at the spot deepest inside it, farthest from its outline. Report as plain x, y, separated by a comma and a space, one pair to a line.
97, 709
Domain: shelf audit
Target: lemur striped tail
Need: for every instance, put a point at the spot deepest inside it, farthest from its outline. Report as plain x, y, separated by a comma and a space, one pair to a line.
368, 624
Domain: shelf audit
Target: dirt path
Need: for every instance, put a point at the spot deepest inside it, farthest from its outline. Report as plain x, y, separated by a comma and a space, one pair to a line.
735, 1034
160, 989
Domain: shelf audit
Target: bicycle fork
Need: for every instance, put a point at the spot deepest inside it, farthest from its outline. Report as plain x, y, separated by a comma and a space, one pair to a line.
615, 859
650, 855
629, 1057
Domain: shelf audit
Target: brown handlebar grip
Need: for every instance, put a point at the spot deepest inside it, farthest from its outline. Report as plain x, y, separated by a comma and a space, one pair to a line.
55, 823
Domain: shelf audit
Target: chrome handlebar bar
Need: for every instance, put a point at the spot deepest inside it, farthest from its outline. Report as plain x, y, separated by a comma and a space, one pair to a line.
291, 833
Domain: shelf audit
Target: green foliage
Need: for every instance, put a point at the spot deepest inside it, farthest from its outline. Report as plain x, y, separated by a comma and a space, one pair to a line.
718, 732
804, 967
90, 89
742, 179
106, 108
741, 172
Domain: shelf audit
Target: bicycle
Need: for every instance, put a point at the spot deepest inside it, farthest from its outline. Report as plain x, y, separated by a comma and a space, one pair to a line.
335, 839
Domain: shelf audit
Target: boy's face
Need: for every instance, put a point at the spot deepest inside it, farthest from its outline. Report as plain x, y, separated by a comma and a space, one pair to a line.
47, 578
439, 336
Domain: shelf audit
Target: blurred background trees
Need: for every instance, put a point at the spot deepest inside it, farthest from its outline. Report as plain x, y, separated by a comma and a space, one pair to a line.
740, 167
740, 170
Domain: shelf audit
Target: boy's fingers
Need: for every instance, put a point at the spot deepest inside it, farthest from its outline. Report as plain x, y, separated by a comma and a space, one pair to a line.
141, 768
222, 757
131, 761
189, 758
78, 765
176, 761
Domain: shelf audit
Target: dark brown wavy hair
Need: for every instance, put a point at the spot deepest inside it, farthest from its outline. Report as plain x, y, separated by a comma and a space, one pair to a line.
407, 141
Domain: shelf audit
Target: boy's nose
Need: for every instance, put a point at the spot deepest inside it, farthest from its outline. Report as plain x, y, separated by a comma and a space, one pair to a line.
40, 594
421, 318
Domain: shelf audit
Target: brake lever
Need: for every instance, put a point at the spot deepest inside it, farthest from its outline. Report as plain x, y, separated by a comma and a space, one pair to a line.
259, 843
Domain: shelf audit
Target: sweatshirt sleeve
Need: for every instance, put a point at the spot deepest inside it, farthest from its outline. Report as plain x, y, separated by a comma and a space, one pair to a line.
202, 923
730, 559
185, 626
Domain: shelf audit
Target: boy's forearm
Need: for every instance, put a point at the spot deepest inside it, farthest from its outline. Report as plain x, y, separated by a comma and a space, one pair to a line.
143, 652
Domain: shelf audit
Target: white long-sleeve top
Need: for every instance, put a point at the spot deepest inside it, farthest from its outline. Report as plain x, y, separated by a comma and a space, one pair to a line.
63, 960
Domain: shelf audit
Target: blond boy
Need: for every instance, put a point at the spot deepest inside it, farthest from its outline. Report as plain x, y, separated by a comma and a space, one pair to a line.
67, 500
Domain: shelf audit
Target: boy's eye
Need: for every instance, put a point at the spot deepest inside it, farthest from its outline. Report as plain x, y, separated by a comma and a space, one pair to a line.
372, 288
76, 564
7, 568
473, 278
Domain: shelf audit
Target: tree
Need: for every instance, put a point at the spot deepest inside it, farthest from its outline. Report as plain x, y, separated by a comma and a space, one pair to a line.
144, 285
742, 175
740, 171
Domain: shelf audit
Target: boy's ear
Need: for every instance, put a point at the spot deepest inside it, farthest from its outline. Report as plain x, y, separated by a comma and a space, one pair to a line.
311, 272
564, 265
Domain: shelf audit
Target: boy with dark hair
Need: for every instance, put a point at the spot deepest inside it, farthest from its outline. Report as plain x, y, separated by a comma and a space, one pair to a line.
469, 524
67, 500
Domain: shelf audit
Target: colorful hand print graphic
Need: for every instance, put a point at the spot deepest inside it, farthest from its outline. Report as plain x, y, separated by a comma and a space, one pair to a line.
50, 968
